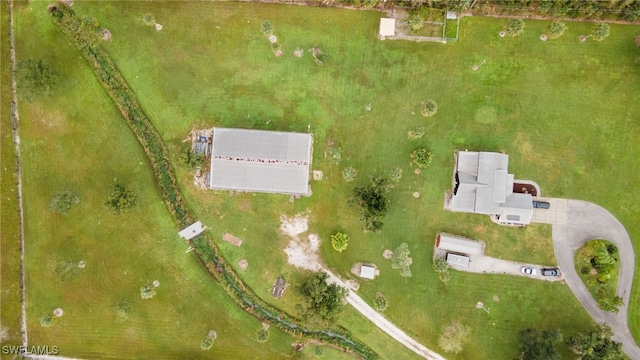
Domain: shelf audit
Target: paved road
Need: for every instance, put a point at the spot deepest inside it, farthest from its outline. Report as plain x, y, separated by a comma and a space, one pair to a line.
384, 324
587, 221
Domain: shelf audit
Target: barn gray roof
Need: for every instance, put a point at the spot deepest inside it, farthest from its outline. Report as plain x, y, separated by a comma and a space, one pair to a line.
262, 161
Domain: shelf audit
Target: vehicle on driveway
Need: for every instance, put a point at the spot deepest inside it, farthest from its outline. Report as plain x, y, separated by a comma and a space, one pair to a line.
541, 205
550, 272
528, 270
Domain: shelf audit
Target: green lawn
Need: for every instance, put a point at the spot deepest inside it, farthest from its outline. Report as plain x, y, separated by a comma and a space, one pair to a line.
75, 139
9, 216
564, 112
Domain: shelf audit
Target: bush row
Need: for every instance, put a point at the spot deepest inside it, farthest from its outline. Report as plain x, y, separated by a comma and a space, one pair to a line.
84, 32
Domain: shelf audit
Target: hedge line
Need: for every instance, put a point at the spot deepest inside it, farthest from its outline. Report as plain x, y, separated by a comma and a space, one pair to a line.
84, 31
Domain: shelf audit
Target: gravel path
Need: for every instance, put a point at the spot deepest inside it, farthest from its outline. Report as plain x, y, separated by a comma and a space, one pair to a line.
587, 221
367, 311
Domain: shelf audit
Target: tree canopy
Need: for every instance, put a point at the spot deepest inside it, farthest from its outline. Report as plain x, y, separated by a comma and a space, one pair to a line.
34, 77
322, 302
596, 344
539, 345
600, 31
339, 241
372, 201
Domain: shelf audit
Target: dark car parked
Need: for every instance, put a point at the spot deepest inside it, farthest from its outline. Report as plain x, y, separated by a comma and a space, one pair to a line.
550, 272
541, 205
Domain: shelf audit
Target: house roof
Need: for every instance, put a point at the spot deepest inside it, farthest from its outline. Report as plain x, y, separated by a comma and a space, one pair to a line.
387, 27
458, 244
486, 187
262, 161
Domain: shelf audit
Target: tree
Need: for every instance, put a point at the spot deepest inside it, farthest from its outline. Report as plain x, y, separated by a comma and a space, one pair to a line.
372, 201
396, 174
349, 174
262, 335
556, 29
380, 302
321, 302
339, 241
429, 108
539, 345
47, 320
63, 201
600, 31
149, 19
121, 200
416, 132
514, 27
421, 157
453, 337
440, 265
401, 260
34, 77
267, 28
596, 344
206, 343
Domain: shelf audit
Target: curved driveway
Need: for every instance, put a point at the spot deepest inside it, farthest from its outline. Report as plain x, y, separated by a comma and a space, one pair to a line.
587, 221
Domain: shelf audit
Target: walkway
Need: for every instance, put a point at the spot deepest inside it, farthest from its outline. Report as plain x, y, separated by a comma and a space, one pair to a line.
586, 221
367, 311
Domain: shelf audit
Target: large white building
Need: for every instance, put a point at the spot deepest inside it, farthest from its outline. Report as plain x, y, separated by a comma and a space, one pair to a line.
482, 185
260, 161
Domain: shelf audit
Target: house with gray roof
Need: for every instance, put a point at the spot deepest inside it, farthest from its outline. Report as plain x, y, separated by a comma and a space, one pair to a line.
483, 185
260, 161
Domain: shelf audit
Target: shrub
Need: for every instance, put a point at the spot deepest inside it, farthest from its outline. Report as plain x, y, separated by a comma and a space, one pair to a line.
429, 108
585, 270
440, 265
556, 29
600, 31
339, 241
401, 260
380, 302
262, 336
396, 174
189, 158
453, 337
149, 19
318, 351
416, 22
121, 200
47, 320
63, 201
122, 311
349, 174
514, 27
206, 343
421, 157
445, 277
335, 154
266, 27
147, 291
416, 132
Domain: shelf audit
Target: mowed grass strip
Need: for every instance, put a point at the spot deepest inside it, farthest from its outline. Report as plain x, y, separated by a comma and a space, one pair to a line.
552, 109
75, 139
10, 311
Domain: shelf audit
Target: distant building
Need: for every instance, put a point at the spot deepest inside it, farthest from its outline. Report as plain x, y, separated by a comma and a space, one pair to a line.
482, 185
387, 28
260, 161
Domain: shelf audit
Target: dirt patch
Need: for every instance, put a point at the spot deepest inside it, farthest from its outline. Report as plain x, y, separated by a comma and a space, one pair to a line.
232, 239
387, 254
478, 228
243, 264
245, 204
106, 34
496, 298
302, 252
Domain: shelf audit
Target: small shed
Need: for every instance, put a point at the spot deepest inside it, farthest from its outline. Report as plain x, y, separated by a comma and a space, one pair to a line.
367, 272
458, 244
387, 28
452, 15
455, 259
191, 231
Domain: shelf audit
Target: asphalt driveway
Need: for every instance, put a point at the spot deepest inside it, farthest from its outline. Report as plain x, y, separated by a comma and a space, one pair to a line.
587, 221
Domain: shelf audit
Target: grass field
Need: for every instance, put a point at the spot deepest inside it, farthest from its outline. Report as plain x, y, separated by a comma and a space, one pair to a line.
564, 111
9, 218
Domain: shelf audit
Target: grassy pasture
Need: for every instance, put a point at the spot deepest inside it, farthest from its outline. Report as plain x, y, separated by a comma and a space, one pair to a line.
549, 105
